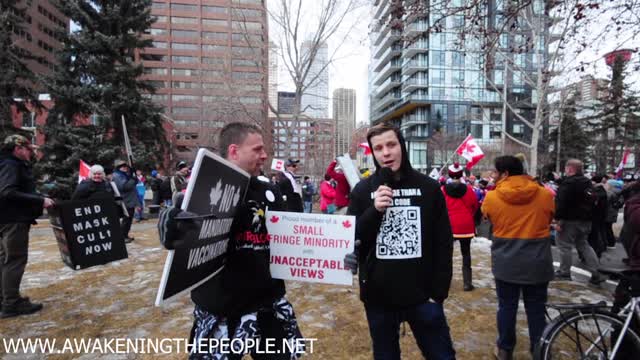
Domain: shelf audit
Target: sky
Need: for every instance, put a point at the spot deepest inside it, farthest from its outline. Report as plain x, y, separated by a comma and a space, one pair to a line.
350, 65
349, 58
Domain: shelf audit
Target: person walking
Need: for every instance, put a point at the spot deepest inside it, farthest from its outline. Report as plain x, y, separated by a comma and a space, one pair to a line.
574, 209
520, 211
20, 205
462, 205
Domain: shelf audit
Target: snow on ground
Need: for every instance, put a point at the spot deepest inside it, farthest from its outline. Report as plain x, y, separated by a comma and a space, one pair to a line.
116, 301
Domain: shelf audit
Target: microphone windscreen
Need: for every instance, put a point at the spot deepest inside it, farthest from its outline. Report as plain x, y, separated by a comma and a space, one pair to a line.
386, 175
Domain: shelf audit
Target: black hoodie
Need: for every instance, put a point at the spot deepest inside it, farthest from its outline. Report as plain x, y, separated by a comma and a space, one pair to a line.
405, 255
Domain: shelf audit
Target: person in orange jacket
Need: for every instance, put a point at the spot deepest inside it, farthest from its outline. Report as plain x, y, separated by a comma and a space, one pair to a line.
520, 211
462, 205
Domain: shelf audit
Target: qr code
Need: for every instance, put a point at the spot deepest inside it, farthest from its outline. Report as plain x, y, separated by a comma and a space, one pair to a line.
400, 235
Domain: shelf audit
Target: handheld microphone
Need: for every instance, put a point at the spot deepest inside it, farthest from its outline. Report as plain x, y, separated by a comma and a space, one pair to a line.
386, 175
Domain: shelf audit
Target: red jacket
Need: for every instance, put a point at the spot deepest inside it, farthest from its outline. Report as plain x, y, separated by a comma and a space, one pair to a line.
342, 189
327, 195
462, 204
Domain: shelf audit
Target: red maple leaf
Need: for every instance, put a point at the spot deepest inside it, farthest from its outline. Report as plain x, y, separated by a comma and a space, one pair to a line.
470, 148
274, 219
346, 224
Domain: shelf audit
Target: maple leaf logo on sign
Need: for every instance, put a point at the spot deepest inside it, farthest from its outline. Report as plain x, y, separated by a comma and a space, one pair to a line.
236, 197
216, 194
346, 224
274, 219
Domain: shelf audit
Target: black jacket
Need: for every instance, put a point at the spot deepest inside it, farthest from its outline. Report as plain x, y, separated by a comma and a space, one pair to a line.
19, 202
89, 189
294, 201
405, 258
245, 283
575, 199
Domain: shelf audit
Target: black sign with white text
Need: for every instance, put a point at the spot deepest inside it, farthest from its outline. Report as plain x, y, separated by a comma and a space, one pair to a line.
88, 232
215, 191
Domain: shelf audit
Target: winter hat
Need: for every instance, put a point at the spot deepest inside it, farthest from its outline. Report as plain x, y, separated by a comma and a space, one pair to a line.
154, 173
455, 171
181, 164
119, 163
12, 141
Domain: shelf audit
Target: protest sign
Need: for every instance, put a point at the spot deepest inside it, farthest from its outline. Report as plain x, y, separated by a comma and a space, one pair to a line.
310, 247
349, 169
216, 189
277, 165
88, 232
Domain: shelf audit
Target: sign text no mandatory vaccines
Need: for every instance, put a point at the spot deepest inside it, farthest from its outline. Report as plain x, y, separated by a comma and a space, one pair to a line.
215, 191
310, 247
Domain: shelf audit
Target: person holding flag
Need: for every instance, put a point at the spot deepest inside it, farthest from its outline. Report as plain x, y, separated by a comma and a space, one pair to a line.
126, 182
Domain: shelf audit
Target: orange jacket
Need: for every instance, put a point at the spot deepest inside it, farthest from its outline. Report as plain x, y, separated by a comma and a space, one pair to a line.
519, 208
520, 211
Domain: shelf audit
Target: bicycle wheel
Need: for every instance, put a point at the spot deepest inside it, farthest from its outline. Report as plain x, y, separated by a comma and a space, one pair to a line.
590, 334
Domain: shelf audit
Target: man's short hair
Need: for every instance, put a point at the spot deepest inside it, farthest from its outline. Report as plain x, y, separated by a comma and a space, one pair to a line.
381, 129
509, 163
576, 164
306, 178
235, 133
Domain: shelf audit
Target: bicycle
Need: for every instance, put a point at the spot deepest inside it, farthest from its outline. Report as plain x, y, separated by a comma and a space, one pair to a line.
593, 331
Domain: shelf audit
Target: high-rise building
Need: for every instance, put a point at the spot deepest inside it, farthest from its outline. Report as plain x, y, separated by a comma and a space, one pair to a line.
273, 76
344, 115
315, 99
425, 83
41, 34
209, 63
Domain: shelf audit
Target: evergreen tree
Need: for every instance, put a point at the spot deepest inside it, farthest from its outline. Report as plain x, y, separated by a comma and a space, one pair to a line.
99, 80
574, 141
15, 77
616, 122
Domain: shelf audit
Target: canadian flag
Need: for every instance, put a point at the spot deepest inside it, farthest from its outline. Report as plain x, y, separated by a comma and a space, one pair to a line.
85, 169
470, 151
365, 146
623, 162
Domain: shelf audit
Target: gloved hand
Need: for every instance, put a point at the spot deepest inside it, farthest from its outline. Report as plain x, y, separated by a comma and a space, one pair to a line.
174, 232
351, 259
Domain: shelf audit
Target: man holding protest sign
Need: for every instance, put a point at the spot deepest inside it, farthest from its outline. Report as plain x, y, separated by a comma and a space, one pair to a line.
405, 253
243, 301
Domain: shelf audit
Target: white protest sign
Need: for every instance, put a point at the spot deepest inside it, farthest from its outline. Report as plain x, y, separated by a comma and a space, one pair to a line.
277, 165
310, 247
349, 169
434, 174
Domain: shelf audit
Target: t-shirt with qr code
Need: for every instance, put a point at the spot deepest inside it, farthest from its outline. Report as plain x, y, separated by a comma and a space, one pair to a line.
400, 235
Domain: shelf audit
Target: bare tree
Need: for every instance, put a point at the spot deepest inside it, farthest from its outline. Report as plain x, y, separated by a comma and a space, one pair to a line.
530, 44
301, 29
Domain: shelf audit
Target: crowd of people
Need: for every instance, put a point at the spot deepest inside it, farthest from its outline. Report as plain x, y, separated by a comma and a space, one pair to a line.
406, 228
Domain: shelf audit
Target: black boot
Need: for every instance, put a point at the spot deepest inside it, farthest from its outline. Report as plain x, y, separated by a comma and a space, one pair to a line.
466, 279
